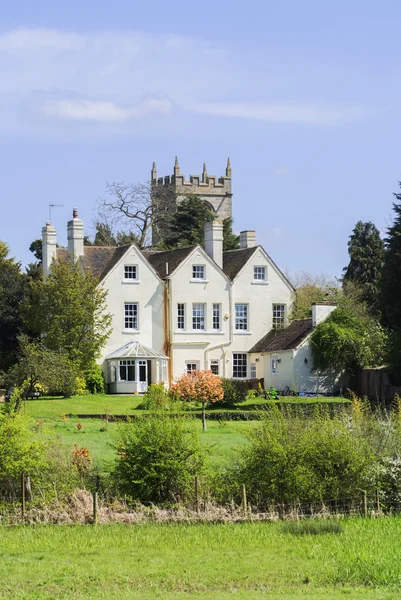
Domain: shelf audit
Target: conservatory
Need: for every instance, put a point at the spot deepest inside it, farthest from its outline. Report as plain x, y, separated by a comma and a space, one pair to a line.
132, 368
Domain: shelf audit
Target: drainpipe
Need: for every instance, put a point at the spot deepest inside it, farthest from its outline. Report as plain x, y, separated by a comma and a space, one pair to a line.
167, 328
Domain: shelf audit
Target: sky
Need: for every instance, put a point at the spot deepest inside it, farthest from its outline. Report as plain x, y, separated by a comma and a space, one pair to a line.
303, 96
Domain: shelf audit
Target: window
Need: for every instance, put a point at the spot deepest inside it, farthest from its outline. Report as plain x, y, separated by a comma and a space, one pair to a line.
214, 367
240, 364
216, 317
278, 316
241, 317
253, 370
127, 370
275, 363
198, 271
259, 273
180, 316
131, 316
198, 316
191, 367
130, 272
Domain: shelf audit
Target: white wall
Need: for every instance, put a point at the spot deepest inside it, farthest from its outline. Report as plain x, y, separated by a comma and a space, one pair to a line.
198, 345
148, 292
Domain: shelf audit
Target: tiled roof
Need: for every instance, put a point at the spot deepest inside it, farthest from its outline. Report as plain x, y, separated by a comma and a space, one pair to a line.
284, 339
234, 260
174, 258
113, 259
95, 259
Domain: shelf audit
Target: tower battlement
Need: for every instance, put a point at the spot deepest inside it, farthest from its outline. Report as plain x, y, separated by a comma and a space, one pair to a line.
216, 191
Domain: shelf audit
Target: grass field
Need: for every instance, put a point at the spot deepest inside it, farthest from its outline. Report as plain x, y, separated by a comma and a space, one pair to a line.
123, 405
220, 561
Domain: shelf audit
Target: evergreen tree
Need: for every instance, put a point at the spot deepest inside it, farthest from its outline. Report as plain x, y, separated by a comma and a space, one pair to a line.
391, 275
13, 293
188, 222
366, 252
230, 240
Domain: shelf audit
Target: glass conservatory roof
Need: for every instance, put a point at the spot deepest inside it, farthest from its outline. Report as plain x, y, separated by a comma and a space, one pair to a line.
136, 350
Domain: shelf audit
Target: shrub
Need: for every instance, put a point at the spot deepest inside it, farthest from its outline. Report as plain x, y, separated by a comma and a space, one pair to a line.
158, 458
156, 397
95, 380
293, 458
45, 463
235, 391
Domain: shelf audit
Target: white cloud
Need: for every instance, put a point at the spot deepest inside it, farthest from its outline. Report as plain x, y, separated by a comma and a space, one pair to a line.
281, 113
124, 77
97, 110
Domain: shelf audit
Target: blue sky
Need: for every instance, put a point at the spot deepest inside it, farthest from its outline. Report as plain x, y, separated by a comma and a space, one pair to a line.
302, 95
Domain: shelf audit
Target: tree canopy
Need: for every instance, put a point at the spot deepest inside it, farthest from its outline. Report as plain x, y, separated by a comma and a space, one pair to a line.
366, 252
69, 309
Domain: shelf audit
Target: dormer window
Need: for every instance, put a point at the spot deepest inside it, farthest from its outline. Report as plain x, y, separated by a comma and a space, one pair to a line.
259, 273
130, 272
198, 271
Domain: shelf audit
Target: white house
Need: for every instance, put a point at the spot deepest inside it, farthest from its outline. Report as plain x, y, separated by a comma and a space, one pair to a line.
283, 357
180, 310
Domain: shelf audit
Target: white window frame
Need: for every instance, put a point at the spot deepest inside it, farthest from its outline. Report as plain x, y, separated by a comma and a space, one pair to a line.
127, 272
215, 363
216, 316
201, 316
274, 363
252, 371
236, 364
260, 273
134, 317
199, 272
180, 316
191, 366
241, 317
278, 322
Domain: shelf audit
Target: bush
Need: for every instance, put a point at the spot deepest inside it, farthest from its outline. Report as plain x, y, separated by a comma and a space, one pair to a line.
158, 458
156, 397
235, 391
49, 469
95, 380
293, 458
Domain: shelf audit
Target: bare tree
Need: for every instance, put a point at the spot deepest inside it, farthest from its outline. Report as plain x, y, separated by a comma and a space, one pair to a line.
141, 209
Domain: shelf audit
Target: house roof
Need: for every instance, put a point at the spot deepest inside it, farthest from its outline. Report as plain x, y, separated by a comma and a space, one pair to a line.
234, 260
95, 258
174, 258
136, 350
284, 339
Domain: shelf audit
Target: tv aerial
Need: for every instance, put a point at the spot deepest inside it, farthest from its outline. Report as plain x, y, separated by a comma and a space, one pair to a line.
51, 206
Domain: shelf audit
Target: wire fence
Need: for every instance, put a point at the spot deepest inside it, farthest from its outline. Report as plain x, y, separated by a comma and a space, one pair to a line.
84, 506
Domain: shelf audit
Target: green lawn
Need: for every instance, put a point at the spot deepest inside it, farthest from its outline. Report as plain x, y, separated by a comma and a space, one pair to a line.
204, 561
122, 405
220, 439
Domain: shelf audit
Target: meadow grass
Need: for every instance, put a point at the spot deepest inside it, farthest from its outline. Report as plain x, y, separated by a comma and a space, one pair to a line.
202, 561
220, 439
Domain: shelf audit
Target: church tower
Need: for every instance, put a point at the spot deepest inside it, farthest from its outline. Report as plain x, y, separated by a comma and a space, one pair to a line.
216, 192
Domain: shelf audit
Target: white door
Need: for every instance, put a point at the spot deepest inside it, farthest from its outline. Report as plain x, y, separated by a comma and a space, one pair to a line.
142, 375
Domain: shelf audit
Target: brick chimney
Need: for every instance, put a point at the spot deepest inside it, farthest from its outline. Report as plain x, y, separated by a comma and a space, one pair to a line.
49, 247
75, 236
247, 239
214, 241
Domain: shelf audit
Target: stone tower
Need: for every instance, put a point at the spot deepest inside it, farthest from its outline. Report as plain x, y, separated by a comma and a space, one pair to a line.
216, 192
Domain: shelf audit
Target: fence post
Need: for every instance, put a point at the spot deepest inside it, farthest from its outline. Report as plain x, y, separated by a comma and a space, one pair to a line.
365, 503
197, 499
243, 493
378, 500
23, 494
95, 508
